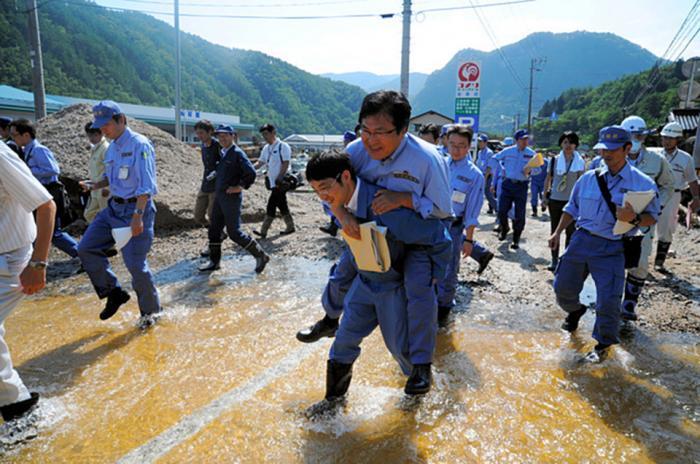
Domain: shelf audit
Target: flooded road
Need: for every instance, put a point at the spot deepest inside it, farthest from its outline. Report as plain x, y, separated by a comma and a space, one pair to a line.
222, 379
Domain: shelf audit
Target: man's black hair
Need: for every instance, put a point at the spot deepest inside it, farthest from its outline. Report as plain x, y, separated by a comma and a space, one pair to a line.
91, 130
570, 135
461, 129
328, 165
267, 128
389, 102
431, 129
205, 125
22, 126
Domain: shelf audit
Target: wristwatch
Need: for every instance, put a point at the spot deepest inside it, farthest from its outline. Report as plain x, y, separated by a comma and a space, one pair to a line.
637, 219
138, 212
36, 264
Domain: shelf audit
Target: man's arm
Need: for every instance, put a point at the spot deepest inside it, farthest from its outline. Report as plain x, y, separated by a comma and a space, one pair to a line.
665, 182
33, 278
283, 170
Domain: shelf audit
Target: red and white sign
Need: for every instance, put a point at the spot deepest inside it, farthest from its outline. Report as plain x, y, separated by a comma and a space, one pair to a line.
469, 80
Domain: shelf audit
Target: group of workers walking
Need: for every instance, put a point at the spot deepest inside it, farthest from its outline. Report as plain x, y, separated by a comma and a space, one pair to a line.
425, 190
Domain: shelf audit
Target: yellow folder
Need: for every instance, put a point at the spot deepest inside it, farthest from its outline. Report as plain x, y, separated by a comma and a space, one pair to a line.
371, 252
536, 161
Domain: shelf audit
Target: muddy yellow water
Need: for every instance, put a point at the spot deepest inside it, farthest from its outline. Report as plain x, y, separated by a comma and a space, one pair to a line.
222, 379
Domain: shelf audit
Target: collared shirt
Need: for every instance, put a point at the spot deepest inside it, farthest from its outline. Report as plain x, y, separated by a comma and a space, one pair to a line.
274, 155
415, 167
483, 159
658, 169
96, 164
229, 171
514, 161
352, 204
682, 167
20, 194
41, 162
210, 158
130, 166
467, 184
589, 209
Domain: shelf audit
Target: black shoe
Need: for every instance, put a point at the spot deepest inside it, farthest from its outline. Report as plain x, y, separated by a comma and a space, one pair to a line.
209, 266
484, 262
419, 381
534, 214
326, 327
260, 262
111, 252
599, 354
443, 314
205, 252
502, 234
116, 298
514, 245
490, 211
16, 410
330, 230
148, 320
571, 322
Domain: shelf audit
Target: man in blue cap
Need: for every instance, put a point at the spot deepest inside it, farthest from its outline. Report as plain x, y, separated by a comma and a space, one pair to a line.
5, 136
595, 204
234, 173
130, 174
514, 187
44, 166
483, 162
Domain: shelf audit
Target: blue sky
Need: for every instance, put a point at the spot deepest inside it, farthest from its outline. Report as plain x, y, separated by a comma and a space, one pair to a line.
374, 44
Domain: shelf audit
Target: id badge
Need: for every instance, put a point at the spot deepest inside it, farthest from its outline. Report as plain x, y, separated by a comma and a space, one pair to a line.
124, 172
458, 197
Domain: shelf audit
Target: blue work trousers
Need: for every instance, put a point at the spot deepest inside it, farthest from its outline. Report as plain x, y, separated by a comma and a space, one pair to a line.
490, 197
604, 260
98, 238
513, 192
227, 213
340, 278
536, 193
62, 240
447, 287
364, 310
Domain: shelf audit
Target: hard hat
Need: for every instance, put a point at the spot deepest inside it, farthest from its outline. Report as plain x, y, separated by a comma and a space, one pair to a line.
672, 129
635, 125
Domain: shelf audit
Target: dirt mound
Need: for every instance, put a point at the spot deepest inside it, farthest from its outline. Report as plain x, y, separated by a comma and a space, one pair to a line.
179, 166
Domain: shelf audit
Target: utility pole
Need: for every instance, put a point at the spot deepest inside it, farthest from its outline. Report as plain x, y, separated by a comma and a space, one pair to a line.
36, 61
178, 103
534, 63
405, 46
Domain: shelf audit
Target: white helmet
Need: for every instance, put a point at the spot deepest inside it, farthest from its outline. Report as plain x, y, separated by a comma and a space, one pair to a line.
508, 141
672, 129
635, 125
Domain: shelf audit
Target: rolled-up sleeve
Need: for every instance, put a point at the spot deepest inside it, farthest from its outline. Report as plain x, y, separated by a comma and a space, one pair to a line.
145, 169
571, 207
474, 202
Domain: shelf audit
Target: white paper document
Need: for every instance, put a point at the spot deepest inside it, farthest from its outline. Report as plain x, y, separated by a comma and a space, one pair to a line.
121, 236
371, 252
639, 201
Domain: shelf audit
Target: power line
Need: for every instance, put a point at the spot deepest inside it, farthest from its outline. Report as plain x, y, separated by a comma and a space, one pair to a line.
261, 5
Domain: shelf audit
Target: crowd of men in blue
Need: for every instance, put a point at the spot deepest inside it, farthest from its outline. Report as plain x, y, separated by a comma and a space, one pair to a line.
428, 193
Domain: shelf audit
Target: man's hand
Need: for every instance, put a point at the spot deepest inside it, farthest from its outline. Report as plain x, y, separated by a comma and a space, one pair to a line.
386, 200
105, 192
136, 225
527, 170
554, 241
467, 248
626, 213
231, 190
350, 226
32, 280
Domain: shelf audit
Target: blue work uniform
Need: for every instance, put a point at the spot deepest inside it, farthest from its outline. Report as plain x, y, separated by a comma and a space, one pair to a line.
467, 183
483, 162
514, 188
44, 167
380, 298
537, 178
130, 168
594, 248
595, 163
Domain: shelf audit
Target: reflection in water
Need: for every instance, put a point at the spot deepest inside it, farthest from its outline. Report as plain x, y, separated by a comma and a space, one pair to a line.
222, 378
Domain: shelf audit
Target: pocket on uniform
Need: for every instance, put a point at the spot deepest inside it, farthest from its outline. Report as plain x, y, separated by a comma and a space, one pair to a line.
589, 206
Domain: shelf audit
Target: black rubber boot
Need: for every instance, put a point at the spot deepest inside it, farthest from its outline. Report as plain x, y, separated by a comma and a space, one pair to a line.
115, 299
338, 377
267, 222
516, 241
571, 322
326, 327
331, 229
419, 381
633, 288
289, 222
502, 233
661, 253
261, 258
214, 259
484, 262
16, 410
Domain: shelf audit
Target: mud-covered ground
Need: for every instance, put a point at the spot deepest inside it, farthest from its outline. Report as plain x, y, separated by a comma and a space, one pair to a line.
669, 302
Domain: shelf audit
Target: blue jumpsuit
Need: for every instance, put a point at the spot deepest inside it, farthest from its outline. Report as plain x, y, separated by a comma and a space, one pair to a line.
44, 167
467, 183
537, 178
514, 188
418, 168
595, 250
483, 162
130, 167
380, 298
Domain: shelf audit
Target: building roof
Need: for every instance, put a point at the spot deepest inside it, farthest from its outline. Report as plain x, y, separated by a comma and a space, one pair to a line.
688, 118
315, 139
431, 112
12, 98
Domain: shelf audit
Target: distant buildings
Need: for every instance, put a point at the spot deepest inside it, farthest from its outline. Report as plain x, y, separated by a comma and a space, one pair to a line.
429, 117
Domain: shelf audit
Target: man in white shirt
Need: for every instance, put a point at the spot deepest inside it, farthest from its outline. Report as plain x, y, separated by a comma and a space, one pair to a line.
276, 155
22, 270
96, 170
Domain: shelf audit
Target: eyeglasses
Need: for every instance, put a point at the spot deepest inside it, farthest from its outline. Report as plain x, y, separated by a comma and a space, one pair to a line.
378, 133
460, 146
326, 187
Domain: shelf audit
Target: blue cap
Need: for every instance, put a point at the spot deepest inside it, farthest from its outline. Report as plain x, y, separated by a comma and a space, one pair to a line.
5, 121
349, 136
225, 129
612, 138
103, 112
445, 128
508, 141
520, 134
483, 138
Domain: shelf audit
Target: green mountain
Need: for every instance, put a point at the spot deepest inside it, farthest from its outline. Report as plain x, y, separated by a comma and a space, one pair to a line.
586, 110
577, 59
93, 52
